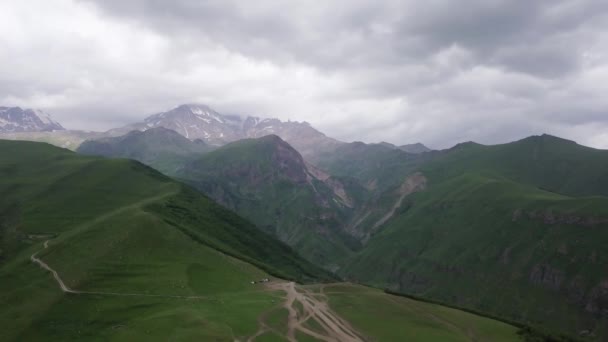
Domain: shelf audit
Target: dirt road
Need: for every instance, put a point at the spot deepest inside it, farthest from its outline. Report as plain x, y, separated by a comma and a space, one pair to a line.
44, 265
67, 289
334, 328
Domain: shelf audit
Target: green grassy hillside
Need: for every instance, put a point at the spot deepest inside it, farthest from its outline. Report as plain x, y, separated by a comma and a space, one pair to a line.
510, 230
117, 227
376, 313
376, 166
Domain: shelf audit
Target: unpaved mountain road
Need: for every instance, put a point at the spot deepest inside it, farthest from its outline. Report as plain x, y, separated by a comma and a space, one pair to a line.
335, 328
44, 265
67, 289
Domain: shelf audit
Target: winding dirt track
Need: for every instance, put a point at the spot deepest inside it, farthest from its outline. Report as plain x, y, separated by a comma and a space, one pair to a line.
44, 265
335, 329
67, 289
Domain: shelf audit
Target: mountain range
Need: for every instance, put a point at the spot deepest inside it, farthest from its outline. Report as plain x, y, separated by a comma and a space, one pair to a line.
193, 121
514, 231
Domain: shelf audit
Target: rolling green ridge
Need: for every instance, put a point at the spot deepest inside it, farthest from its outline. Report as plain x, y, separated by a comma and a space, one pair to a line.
376, 166
517, 231
117, 226
161, 148
545, 161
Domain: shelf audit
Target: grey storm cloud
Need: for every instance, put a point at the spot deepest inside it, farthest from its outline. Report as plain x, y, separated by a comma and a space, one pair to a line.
532, 37
437, 71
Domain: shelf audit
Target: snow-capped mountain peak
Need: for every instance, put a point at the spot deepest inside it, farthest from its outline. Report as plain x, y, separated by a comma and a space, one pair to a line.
199, 121
16, 119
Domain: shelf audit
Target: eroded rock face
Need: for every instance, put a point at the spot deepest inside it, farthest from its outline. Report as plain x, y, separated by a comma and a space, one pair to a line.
547, 276
575, 290
414, 183
551, 218
289, 161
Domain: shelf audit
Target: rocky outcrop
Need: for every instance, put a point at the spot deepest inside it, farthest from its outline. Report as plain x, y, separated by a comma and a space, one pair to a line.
288, 160
550, 217
547, 276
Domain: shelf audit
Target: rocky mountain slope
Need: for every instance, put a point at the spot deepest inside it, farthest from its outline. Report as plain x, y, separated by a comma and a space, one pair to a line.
16, 119
268, 181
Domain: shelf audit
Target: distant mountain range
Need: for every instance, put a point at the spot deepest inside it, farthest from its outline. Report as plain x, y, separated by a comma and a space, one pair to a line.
193, 121
15, 119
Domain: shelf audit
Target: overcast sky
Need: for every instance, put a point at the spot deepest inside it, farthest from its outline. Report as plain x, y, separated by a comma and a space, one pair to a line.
434, 71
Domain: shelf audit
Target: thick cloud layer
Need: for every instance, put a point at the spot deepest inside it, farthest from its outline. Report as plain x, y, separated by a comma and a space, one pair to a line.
439, 72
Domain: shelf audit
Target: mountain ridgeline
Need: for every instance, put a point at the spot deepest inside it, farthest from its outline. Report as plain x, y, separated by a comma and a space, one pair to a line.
159, 147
